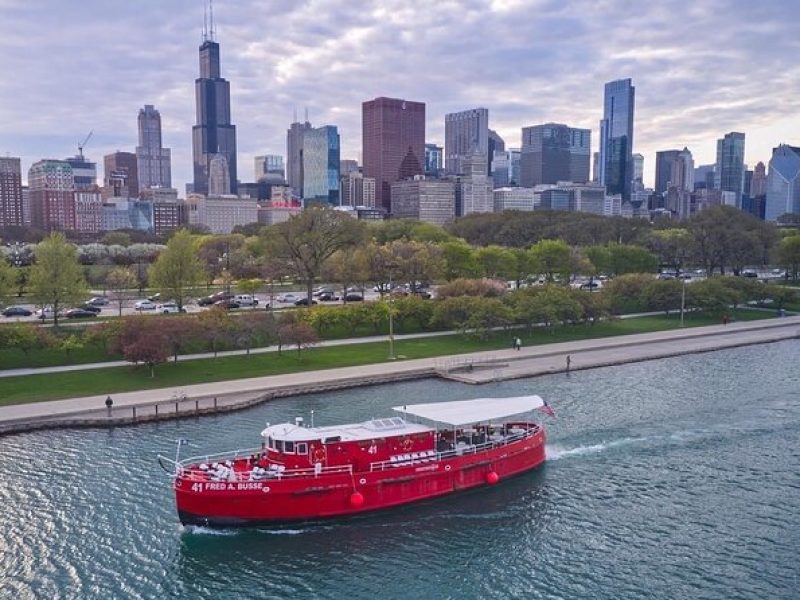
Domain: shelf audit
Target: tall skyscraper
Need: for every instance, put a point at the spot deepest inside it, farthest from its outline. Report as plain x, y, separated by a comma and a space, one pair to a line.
11, 213
321, 155
638, 170
616, 138
393, 133
730, 164
783, 183
213, 134
682, 174
294, 155
52, 195
466, 133
84, 172
758, 185
553, 152
153, 161
120, 175
664, 161
269, 168
219, 178
434, 160
496, 145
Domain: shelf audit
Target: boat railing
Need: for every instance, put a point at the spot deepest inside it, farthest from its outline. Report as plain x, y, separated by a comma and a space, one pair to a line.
265, 474
459, 450
189, 467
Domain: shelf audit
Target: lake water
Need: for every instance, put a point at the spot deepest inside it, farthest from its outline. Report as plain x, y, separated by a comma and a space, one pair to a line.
678, 478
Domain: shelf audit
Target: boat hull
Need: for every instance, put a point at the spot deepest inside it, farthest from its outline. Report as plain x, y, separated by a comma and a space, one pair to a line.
274, 501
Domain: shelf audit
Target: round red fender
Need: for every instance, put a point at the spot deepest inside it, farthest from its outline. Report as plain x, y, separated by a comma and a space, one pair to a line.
356, 499
492, 477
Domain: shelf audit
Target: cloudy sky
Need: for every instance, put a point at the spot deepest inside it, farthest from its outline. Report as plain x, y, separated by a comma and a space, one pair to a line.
700, 68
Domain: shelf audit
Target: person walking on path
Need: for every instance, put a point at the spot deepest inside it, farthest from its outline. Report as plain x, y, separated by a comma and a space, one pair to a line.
517, 343
569, 361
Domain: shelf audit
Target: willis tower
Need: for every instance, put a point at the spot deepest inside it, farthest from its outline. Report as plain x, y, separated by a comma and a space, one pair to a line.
214, 137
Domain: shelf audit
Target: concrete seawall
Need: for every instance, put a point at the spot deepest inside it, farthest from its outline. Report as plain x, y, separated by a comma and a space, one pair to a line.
475, 368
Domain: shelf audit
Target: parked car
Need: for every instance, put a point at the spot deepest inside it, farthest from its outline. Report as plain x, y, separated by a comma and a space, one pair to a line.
79, 313
98, 301
154, 297
91, 308
304, 302
288, 298
169, 308
591, 285
321, 290
245, 300
209, 300
750, 273
425, 294
352, 297
227, 304
17, 311
327, 296
45, 313
145, 305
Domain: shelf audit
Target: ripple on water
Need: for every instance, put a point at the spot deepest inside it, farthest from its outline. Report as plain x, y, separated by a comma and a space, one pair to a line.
674, 478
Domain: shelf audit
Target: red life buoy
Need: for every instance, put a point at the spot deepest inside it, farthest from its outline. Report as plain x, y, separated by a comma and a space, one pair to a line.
407, 444
319, 454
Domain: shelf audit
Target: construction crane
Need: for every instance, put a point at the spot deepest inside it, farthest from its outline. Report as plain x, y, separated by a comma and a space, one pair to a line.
81, 145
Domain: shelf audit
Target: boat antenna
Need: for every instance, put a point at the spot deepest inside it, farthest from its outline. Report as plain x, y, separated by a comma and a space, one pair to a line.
312, 418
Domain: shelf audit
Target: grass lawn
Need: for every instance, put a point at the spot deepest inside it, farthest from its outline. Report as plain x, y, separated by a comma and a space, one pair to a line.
35, 388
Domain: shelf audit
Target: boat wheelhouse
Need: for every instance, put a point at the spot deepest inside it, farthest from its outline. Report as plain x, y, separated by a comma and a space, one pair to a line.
306, 473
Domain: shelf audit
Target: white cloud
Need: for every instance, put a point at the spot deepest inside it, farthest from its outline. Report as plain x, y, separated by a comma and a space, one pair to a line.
700, 70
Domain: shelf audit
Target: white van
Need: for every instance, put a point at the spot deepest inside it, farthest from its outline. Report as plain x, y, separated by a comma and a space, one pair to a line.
245, 300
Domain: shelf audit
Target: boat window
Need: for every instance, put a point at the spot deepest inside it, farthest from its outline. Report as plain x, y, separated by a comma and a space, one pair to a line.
288, 447
302, 448
279, 445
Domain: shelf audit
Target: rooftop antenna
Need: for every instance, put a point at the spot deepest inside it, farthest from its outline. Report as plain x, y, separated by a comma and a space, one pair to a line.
211, 31
205, 21
306, 114
294, 114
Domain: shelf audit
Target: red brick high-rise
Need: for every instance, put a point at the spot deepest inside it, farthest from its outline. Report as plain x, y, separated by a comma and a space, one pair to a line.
52, 195
393, 133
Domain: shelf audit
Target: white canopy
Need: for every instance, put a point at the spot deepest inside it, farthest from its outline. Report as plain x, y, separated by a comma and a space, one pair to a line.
465, 412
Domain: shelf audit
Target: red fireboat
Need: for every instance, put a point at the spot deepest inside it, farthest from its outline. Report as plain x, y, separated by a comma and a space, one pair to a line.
307, 473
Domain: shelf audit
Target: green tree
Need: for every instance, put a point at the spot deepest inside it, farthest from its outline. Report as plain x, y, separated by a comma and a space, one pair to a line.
553, 259
119, 280
307, 240
496, 262
662, 295
672, 246
217, 327
624, 293
177, 269
789, 255
618, 259
459, 260
6, 279
56, 279
414, 262
710, 295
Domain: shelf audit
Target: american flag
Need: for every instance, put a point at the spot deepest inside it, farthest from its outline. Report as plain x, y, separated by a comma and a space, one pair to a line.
548, 409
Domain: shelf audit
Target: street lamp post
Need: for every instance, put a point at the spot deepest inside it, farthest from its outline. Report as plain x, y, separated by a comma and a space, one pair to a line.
683, 298
391, 314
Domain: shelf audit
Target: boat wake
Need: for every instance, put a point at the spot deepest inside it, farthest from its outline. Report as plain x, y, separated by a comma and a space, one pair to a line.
556, 452
200, 530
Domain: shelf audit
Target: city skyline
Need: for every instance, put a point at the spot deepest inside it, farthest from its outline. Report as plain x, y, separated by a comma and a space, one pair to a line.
691, 89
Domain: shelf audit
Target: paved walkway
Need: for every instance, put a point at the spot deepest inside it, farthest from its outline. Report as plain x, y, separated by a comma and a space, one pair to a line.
500, 364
